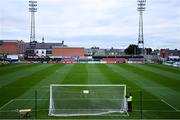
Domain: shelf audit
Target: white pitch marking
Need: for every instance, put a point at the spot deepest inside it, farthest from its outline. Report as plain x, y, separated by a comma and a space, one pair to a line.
87, 85
6, 104
170, 105
101, 113
86, 91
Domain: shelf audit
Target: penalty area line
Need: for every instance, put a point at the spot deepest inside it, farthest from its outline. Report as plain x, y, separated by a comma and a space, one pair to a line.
170, 105
6, 104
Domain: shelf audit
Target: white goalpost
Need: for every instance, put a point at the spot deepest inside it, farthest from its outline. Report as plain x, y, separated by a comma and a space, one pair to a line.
84, 100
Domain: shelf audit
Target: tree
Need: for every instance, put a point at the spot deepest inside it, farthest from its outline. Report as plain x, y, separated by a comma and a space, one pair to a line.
132, 50
94, 50
148, 51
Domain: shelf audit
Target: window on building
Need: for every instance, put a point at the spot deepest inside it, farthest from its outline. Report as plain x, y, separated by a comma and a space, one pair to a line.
49, 51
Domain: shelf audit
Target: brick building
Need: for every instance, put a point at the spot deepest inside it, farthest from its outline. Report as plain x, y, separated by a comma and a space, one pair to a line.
42, 49
68, 51
12, 47
164, 53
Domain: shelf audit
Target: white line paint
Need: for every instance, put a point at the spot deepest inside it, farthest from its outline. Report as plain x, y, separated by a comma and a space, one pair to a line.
81, 99
100, 114
88, 85
6, 104
158, 110
170, 105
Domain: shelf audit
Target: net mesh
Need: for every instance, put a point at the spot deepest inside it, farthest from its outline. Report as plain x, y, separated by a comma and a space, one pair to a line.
71, 100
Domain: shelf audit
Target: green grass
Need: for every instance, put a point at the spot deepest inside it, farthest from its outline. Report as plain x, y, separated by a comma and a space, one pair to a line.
160, 86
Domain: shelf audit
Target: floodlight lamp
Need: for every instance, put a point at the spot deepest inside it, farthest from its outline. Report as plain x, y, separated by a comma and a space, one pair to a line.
32, 1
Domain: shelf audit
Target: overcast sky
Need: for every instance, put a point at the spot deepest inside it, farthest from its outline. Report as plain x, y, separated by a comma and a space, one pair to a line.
87, 23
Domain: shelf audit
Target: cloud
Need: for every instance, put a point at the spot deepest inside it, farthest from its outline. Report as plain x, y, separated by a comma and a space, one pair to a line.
104, 23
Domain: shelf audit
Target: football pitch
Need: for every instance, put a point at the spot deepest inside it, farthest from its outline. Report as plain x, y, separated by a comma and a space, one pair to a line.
155, 88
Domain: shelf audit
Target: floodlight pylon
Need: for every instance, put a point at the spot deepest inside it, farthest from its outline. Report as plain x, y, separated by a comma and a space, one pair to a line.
141, 8
32, 10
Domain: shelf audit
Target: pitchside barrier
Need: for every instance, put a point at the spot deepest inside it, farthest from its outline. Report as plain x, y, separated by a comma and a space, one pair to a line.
86, 101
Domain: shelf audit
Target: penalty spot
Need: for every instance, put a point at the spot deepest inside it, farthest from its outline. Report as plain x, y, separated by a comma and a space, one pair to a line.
86, 91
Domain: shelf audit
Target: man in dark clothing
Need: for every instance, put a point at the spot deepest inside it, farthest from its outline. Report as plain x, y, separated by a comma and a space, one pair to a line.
129, 102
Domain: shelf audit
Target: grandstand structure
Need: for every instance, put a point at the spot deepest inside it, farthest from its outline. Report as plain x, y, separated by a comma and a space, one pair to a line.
114, 60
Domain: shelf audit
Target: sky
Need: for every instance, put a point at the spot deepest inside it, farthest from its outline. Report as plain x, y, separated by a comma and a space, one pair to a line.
87, 23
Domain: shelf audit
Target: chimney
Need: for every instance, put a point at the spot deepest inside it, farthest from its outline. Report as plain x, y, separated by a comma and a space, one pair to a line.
63, 42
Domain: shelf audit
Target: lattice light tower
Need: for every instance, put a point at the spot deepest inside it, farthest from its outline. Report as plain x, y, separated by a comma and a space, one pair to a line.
141, 8
32, 9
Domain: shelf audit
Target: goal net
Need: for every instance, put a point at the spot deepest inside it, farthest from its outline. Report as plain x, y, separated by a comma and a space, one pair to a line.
77, 100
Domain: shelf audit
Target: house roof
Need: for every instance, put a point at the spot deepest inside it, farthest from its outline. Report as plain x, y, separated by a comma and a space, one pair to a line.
45, 45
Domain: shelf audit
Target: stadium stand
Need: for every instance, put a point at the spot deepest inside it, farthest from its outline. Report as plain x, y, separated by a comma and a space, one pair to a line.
85, 60
114, 60
69, 60
136, 60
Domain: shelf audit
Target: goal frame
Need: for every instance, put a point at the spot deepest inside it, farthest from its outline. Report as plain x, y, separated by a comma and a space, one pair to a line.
85, 85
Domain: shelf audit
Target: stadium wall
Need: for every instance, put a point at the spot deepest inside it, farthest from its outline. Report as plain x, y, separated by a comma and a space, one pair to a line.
68, 51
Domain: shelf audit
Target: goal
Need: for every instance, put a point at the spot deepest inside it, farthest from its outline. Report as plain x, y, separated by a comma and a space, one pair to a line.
78, 100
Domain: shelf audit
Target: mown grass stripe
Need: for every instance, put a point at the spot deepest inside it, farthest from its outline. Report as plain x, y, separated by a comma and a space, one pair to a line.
95, 76
150, 89
7, 79
42, 87
146, 83
157, 76
113, 71
12, 91
77, 75
16, 68
165, 73
166, 68
8, 66
112, 76
132, 81
116, 77
140, 82
43, 92
170, 105
58, 76
119, 73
